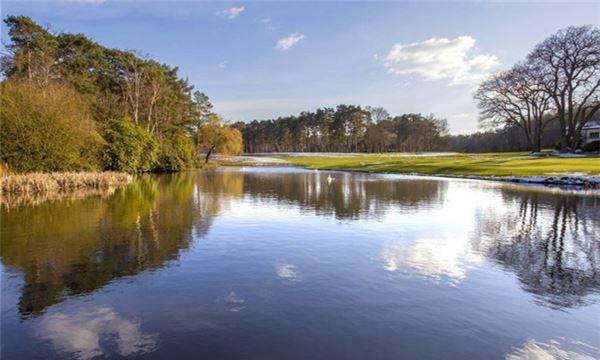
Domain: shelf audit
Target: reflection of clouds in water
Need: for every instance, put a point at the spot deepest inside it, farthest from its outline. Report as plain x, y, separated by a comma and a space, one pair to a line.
234, 302
286, 271
560, 350
432, 257
81, 334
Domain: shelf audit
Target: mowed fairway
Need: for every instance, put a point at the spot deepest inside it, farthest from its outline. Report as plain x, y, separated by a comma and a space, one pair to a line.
490, 164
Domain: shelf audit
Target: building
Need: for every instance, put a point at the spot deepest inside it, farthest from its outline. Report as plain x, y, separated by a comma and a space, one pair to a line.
591, 131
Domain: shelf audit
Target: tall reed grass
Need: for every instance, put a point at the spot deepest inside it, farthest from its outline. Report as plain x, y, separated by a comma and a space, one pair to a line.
63, 182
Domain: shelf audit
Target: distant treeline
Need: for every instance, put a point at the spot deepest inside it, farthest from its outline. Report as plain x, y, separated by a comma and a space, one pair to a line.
347, 128
505, 139
352, 128
69, 103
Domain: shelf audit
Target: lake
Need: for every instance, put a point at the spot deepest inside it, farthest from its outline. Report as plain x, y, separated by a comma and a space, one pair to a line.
286, 263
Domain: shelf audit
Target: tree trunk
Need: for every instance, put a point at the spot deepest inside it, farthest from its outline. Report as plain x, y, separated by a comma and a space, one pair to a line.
29, 75
208, 154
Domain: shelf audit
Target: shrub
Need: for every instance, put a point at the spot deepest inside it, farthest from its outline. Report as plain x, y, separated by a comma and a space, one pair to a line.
129, 147
46, 129
176, 154
593, 146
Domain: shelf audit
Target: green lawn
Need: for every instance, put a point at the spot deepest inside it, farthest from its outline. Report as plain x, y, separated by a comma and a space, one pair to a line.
492, 164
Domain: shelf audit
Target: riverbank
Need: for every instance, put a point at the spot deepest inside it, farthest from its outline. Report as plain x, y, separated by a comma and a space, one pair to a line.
27, 188
512, 167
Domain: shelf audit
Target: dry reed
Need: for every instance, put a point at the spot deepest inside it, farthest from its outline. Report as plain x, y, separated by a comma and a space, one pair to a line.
48, 184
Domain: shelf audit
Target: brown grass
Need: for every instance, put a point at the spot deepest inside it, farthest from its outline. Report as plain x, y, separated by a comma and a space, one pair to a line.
55, 184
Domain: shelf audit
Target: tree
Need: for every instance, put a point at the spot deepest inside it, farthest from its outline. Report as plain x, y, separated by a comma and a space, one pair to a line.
78, 61
568, 67
113, 83
46, 128
218, 137
516, 98
31, 51
377, 114
203, 106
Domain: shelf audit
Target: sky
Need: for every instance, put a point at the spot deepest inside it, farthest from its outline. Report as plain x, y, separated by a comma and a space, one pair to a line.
260, 60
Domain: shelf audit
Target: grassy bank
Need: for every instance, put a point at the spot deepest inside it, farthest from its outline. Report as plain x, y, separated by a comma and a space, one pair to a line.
32, 186
491, 164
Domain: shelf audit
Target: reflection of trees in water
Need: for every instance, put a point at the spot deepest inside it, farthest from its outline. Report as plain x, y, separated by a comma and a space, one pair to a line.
550, 242
214, 191
348, 196
74, 247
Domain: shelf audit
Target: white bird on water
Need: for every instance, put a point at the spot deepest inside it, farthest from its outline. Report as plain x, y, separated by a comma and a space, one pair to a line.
329, 179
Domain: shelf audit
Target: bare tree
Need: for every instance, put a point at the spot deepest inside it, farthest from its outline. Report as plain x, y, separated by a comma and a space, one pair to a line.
515, 98
134, 75
568, 64
377, 114
153, 90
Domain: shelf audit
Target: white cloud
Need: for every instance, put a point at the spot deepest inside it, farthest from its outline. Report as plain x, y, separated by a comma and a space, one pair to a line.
234, 302
264, 20
231, 13
84, 334
222, 65
87, 1
563, 348
433, 258
436, 59
461, 116
286, 43
286, 271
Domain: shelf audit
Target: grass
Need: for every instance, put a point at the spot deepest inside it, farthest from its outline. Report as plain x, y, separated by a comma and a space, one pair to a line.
49, 183
492, 164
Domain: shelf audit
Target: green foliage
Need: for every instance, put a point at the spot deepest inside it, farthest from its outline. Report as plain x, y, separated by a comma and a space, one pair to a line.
110, 84
176, 154
129, 147
46, 129
33, 50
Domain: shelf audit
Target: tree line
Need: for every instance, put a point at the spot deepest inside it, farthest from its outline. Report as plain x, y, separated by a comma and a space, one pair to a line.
69, 103
346, 128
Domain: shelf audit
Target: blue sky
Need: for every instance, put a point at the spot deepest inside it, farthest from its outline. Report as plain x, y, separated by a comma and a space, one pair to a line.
258, 60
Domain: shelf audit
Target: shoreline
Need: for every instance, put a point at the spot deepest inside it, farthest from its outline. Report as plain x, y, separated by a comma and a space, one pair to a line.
567, 182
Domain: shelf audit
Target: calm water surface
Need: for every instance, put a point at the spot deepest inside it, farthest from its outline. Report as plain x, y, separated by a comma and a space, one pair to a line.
281, 263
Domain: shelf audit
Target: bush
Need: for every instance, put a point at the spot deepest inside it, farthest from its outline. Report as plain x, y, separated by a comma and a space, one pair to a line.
593, 146
46, 129
129, 147
176, 154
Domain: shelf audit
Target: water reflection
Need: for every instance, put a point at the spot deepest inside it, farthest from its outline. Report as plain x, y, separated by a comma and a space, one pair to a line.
74, 247
432, 257
69, 247
297, 279
550, 242
97, 332
554, 349
349, 196
287, 272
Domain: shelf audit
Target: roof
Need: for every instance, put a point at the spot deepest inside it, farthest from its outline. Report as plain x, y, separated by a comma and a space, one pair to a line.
593, 124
